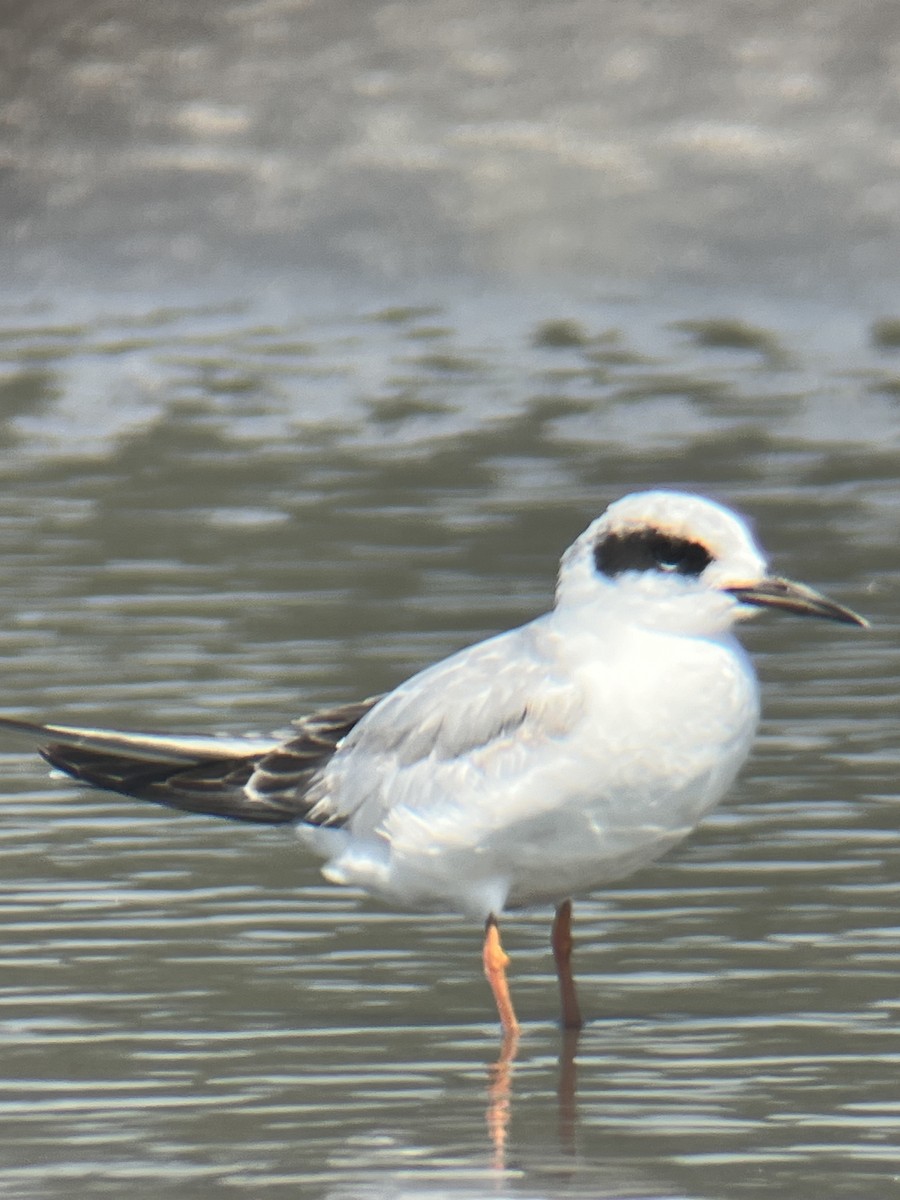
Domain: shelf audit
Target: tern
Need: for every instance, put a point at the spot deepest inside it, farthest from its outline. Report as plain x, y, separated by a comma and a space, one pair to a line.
528, 769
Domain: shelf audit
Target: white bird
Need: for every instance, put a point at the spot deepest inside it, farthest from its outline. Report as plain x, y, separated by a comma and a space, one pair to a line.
530, 768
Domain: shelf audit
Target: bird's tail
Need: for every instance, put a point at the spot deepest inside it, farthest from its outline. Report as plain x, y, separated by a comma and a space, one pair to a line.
261, 780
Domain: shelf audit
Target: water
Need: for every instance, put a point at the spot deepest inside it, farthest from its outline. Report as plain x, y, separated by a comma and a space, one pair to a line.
216, 517
324, 328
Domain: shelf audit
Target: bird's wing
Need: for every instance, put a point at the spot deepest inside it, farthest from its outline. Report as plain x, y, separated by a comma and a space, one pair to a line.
144, 747
200, 774
478, 719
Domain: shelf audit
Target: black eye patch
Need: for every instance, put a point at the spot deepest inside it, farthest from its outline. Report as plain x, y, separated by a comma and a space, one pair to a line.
650, 550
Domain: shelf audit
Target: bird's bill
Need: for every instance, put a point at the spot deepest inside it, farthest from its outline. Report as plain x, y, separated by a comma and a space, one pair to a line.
794, 598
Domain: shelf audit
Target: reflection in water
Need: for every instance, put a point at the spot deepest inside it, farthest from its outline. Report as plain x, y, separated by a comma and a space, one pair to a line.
501, 1073
501, 1095
566, 1092
215, 520
499, 1108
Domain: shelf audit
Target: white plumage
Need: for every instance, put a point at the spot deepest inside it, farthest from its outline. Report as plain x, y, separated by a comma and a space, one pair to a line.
526, 769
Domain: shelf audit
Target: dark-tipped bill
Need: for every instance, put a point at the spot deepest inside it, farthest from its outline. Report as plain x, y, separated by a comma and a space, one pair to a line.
794, 598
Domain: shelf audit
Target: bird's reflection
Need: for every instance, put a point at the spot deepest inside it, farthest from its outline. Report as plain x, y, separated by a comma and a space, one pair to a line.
567, 1090
500, 1095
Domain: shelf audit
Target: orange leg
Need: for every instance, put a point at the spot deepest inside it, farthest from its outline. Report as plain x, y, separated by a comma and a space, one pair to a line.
562, 955
495, 963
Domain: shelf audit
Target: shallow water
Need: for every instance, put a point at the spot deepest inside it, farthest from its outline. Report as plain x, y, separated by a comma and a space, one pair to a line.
324, 328
220, 515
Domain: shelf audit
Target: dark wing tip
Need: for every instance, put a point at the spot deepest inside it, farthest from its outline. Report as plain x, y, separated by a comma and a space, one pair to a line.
215, 789
263, 788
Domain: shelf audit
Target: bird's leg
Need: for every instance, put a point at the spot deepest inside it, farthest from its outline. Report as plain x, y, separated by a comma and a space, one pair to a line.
562, 954
495, 963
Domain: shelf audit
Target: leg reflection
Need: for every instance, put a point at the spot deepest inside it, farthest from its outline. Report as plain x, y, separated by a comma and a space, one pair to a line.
500, 1096
499, 1107
567, 1090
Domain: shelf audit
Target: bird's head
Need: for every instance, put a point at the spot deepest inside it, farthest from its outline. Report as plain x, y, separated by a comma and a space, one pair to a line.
671, 560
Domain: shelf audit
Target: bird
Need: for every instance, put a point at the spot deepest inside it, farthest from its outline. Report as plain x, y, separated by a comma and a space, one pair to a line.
526, 770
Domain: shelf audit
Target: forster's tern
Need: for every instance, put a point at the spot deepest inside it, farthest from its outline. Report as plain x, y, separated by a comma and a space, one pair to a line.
527, 769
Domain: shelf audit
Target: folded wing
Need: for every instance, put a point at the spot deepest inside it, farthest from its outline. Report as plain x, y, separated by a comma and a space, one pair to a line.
473, 730
260, 780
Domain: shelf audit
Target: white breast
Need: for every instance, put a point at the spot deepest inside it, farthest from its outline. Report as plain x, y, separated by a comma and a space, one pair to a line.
558, 761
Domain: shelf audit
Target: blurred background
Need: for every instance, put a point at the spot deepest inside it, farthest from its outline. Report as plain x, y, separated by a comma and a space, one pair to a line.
325, 327
521, 141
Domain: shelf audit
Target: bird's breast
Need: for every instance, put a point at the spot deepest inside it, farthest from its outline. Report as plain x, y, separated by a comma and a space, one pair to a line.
665, 709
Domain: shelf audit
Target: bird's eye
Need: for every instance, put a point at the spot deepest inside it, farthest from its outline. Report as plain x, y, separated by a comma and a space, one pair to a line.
650, 550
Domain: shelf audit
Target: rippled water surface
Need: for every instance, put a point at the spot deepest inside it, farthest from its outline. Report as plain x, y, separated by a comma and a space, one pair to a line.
217, 516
